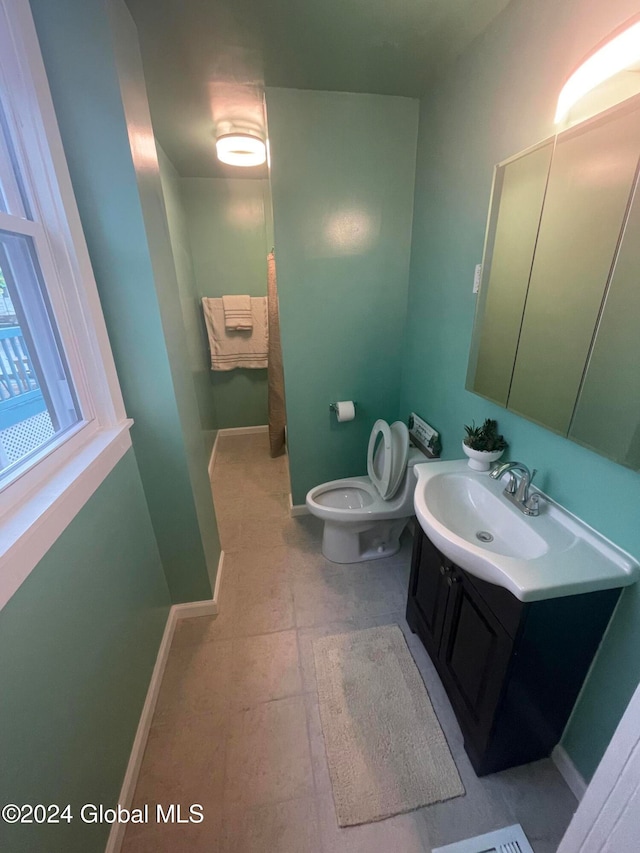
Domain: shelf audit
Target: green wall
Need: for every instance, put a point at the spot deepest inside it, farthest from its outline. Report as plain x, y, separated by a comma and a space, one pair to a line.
498, 99
190, 507
342, 176
78, 642
196, 339
79, 639
227, 227
78, 50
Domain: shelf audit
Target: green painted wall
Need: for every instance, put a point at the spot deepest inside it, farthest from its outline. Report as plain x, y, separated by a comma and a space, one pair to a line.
78, 50
495, 101
342, 183
194, 508
196, 338
78, 642
227, 227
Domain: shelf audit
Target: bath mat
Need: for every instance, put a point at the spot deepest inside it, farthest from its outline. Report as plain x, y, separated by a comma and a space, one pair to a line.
386, 751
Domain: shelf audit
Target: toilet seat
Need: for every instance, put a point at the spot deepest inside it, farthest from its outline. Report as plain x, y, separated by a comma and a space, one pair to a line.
387, 460
400, 450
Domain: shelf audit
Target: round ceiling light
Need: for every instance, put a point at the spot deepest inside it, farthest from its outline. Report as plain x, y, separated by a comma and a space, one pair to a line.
241, 149
620, 53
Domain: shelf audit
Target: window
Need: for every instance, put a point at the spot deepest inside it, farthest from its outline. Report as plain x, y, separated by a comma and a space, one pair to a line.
38, 399
62, 421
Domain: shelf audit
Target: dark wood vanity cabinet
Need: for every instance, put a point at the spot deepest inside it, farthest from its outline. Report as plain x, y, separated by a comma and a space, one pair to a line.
512, 670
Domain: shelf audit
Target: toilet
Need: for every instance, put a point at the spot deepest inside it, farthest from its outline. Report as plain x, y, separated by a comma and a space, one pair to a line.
364, 516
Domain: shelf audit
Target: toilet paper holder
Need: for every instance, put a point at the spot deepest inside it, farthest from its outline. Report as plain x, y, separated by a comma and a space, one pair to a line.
334, 406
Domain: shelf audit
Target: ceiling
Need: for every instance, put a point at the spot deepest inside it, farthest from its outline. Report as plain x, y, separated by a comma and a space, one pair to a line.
207, 60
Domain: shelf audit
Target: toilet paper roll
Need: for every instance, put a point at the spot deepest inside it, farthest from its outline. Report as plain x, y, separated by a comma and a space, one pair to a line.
345, 410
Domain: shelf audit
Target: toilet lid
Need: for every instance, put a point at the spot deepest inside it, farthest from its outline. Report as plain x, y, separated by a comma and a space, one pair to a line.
387, 456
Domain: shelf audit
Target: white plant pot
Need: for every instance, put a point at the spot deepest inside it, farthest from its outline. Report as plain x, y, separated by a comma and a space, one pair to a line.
480, 460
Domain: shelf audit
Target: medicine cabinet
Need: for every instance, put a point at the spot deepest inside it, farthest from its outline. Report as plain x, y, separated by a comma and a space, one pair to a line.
557, 330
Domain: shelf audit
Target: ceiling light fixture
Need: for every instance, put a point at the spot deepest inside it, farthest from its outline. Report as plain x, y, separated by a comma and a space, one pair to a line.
622, 52
241, 149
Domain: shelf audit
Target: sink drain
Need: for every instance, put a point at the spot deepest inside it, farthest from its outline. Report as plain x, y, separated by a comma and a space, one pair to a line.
484, 536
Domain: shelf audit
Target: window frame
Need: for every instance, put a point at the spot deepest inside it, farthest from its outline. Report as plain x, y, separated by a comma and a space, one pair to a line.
52, 485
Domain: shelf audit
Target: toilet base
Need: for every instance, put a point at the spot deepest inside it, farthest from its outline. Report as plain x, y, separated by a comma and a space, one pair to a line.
355, 542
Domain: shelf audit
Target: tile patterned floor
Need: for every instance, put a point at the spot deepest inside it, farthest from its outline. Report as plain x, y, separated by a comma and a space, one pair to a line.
237, 727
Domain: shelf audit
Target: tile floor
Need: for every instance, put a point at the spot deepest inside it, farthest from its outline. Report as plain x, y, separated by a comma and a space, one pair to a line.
237, 727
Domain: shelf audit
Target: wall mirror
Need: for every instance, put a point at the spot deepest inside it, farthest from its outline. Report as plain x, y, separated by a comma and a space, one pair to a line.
557, 329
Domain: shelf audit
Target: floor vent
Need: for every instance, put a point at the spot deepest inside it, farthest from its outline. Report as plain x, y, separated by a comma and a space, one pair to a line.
511, 839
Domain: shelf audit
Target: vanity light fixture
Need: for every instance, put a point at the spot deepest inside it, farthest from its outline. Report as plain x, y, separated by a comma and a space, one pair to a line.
241, 149
620, 53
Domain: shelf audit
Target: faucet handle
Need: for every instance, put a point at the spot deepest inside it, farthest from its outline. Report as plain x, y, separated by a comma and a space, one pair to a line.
532, 505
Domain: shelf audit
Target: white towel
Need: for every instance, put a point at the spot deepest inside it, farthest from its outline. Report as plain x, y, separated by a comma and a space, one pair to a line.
237, 312
240, 348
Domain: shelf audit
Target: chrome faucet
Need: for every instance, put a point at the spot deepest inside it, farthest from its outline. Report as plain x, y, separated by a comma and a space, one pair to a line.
518, 491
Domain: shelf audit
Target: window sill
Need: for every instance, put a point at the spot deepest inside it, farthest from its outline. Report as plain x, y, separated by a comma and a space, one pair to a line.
27, 533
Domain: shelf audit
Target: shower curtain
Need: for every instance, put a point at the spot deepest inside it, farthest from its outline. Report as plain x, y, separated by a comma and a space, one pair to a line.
275, 373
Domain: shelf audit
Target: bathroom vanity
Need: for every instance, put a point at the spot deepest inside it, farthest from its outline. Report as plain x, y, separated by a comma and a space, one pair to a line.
511, 608
512, 669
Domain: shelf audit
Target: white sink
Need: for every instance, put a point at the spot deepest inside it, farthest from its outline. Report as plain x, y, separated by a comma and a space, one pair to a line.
466, 516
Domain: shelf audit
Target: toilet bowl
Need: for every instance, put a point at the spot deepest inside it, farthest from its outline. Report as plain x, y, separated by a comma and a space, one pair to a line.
365, 516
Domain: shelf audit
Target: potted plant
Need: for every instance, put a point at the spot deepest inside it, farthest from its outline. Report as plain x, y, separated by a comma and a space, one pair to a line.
483, 445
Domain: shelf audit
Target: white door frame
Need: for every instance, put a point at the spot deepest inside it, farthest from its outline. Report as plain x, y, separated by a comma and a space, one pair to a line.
608, 817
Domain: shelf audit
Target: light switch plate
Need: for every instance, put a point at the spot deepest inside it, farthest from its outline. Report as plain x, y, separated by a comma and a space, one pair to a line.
424, 436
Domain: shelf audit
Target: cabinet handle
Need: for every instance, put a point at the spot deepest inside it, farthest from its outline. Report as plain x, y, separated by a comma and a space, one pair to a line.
444, 570
453, 579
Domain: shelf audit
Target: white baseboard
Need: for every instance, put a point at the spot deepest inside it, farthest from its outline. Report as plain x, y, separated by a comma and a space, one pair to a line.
569, 772
191, 609
176, 612
297, 509
250, 430
116, 836
218, 586
208, 607
212, 458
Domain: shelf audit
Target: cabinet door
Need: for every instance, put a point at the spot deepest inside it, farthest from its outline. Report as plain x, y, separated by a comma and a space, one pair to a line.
475, 654
429, 591
607, 415
516, 207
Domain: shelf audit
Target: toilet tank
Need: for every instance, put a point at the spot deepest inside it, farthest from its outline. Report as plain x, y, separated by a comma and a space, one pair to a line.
415, 457
404, 495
